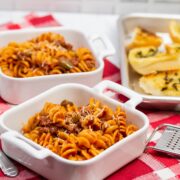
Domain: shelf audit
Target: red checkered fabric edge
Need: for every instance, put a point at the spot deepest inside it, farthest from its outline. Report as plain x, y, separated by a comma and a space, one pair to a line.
149, 165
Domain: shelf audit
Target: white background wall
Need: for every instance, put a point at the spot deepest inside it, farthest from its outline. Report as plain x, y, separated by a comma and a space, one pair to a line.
94, 6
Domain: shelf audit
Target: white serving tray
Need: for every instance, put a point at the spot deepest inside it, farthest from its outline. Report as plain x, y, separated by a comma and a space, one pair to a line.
157, 23
52, 166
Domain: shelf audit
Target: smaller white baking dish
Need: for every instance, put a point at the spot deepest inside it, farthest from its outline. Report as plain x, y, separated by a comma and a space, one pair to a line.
52, 166
18, 90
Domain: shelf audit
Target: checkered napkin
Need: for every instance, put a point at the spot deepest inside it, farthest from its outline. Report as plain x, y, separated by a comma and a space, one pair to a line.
149, 165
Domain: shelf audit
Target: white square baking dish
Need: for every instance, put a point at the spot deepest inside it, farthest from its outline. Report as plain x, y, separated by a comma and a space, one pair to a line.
52, 166
17, 90
157, 23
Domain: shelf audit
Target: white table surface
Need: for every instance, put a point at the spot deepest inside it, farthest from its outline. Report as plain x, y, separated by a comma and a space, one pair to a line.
88, 23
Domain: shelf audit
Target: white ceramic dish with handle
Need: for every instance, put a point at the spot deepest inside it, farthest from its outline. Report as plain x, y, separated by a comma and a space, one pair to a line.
157, 23
52, 166
17, 90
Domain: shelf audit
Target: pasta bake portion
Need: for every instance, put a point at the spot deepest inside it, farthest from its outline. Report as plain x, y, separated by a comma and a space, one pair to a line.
46, 54
78, 132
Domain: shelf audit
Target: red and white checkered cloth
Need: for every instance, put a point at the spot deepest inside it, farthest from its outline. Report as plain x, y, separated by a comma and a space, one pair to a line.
148, 166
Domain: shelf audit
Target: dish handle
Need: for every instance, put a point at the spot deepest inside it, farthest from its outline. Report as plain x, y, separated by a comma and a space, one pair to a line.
103, 45
17, 140
134, 98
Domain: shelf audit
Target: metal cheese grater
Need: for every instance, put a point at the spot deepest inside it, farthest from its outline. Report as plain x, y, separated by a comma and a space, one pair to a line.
169, 142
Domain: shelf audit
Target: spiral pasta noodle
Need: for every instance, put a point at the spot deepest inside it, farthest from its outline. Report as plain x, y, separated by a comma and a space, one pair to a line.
46, 54
78, 132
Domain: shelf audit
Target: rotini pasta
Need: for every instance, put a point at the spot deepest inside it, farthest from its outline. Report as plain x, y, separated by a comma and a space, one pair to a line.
78, 133
45, 55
